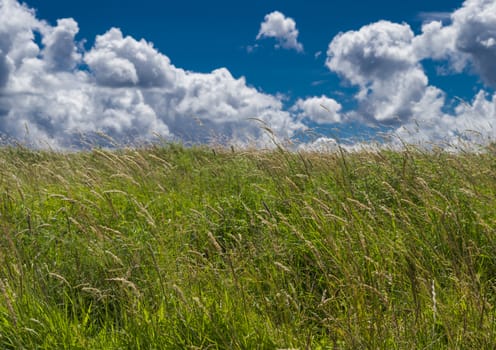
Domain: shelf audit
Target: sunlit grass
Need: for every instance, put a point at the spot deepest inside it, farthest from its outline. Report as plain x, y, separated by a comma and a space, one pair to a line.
171, 247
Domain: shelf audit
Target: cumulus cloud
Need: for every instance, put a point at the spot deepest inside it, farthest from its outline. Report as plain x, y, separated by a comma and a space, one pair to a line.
121, 87
116, 60
468, 40
53, 107
376, 51
320, 145
470, 123
379, 59
52, 89
16, 37
384, 60
60, 52
321, 110
436, 42
475, 25
276, 25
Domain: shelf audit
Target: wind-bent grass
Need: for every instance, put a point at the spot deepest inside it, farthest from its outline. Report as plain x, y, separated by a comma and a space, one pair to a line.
170, 247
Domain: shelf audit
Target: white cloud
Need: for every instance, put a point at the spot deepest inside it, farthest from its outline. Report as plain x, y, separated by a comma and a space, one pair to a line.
60, 52
475, 25
380, 60
471, 123
383, 60
128, 90
321, 110
376, 51
53, 107
16, 37
320, 145
469, 40
283, 29
436, 42
123, 61
217, 105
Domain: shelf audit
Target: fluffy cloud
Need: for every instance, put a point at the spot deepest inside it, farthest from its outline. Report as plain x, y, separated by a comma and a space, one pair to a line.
436, 42
321, 110
16, 37
475, 25
478, 117
123, 61
60, 52
471, 124
127, 90
322, 145
46, 100
51, 89
384, 60
283, 29
379, 59
375, 52
51, 108
468, 40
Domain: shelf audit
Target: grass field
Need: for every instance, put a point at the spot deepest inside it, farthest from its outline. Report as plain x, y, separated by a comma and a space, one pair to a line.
199, 248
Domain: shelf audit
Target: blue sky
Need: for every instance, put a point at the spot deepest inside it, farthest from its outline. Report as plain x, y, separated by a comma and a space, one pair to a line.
353, 66
205, 35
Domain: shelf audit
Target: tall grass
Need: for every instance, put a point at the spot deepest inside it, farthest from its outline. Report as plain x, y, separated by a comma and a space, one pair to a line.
171, 247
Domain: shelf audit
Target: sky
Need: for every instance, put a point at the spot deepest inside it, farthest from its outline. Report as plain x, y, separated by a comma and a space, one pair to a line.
313, 72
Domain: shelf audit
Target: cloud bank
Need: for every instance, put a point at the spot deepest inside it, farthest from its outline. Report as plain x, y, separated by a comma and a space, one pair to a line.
121, 87
52, 91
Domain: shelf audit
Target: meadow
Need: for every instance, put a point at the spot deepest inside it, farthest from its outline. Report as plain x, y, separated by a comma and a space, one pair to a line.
173, 247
